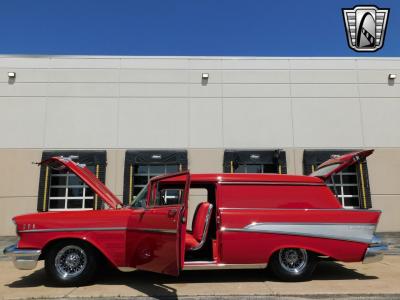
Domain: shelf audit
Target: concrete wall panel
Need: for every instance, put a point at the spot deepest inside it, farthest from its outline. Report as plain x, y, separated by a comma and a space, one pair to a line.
69, 125
323, 76
389, 204
83, 75
384, 171
154, 76
256, 90
321, 63
205, 123
329, 122
23, 90
12, 62
26, 75
154, 90
376, 76
206, 160
324, 90
18, 176
155, 63
97, 90
11, 207
252, 123
378, 64
380, 91
381, 122
256, 76
22, 122
91, 62
255, 64
169, 120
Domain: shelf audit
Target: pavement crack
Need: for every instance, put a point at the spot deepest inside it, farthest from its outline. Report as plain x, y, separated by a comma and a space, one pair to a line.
70, 292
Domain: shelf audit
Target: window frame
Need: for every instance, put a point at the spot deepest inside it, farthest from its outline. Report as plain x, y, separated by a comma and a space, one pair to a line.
239, 158
95, 159
313, 158
148, 158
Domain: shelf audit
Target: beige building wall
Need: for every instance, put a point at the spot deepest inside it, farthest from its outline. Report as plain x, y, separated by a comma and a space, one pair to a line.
20, 178
119, 103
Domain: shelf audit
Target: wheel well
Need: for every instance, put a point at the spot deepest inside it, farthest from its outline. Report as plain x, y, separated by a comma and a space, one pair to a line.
316, 254
52, 243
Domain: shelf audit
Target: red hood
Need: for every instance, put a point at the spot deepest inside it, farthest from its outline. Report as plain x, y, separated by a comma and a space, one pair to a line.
338, 163
88, 177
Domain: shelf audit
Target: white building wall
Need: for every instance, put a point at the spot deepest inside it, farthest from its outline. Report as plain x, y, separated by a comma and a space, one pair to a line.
153, 102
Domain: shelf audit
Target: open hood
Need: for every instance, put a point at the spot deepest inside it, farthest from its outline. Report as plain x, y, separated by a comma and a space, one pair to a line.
80, 170
338, 163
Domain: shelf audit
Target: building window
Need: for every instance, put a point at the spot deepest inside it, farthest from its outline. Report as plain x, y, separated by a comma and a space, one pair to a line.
255, 161
68, 191
141, 166
351, 185
63, 190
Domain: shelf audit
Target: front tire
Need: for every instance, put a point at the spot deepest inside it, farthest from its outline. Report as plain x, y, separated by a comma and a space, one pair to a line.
293, 264
71, 263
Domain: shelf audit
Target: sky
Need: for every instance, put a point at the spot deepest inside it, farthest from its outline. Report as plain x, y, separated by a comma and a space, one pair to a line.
185, 27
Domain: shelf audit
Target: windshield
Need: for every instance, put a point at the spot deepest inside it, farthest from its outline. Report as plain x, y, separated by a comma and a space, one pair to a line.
325, 170
140, 199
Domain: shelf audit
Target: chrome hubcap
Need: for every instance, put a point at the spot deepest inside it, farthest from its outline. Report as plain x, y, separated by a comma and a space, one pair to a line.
293, 260
70, 261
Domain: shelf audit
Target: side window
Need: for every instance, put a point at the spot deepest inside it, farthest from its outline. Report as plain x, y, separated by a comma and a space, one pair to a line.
142, 165
255, 161
351, 185
163, 195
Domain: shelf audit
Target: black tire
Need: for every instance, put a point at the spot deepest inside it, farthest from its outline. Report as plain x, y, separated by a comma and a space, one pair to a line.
71, 263
293, 264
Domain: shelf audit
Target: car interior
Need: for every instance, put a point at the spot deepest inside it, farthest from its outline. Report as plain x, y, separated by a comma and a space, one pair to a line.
201, 225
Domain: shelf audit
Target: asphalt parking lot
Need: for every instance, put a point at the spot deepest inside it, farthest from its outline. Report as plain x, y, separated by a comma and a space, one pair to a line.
330, 280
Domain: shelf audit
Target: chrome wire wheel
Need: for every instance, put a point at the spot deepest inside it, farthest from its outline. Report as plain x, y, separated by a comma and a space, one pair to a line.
293, 260
70, 261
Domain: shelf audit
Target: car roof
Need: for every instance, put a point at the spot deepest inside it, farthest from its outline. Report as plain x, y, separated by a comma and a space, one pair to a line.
245, 177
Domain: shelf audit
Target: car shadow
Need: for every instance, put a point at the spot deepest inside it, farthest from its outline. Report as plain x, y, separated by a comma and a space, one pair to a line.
157, 285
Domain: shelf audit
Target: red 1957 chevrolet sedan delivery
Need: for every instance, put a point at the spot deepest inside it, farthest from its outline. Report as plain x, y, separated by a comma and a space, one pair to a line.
246, 221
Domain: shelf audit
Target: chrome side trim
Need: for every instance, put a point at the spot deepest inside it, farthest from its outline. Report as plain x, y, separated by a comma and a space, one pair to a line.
171, 231
76, 229
355, 232
205, 230
156, 230
375, 251
23, 259
220, 266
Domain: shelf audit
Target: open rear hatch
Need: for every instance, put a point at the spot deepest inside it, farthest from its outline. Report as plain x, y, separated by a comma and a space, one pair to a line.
80, 170
337, 163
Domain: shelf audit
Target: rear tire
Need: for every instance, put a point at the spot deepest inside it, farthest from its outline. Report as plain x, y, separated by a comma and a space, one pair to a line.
293, 264
71, 263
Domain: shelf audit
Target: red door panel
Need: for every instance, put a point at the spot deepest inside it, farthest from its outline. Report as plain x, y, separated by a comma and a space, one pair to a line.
156, 233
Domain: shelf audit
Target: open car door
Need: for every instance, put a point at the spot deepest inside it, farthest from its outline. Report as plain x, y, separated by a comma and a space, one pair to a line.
338, 163
156, 233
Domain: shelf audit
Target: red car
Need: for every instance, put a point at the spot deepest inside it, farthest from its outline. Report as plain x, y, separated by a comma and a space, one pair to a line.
244, 221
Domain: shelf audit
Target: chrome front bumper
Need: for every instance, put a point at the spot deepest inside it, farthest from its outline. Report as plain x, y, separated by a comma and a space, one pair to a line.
375, 251
23, 259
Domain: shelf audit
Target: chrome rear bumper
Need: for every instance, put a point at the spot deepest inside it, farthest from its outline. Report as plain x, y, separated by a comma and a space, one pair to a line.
23, 259
375, 251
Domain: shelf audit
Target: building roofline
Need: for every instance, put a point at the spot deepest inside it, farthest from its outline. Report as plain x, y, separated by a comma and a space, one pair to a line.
197, 57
